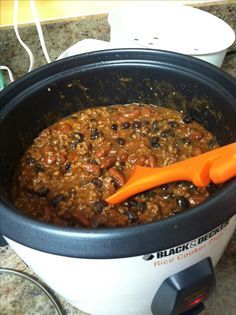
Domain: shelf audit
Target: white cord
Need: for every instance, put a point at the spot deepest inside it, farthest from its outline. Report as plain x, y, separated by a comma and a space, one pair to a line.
27, 49
39, 29
11, 77
29, 52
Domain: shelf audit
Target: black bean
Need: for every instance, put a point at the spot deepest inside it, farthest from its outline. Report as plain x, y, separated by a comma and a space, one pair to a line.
43, 192
199, 114
120, 141
167, 133
68, 166
39, 168
95, 134
78, 136
132, 204
114, 127
142, 206
212, 187
173, 124
187, 119
155, 126
115, 183
30, 160
137, 124
164, 187
182, 202
186, 140
97, 182
131, 216
99, 206
57, 199
154, 142
192, 186
126, 125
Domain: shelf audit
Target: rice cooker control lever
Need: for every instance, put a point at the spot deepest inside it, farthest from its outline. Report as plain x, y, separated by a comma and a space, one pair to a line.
183, 292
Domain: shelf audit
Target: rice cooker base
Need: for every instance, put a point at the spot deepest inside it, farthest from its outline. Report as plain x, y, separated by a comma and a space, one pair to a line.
110, 283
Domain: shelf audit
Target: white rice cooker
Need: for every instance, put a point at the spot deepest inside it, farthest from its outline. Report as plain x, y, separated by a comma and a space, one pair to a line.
161, 268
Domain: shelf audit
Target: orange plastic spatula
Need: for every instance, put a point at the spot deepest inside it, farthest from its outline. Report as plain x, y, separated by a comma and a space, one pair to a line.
218, 166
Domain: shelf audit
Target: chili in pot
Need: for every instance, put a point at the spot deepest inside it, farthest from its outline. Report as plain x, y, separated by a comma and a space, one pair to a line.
76, 163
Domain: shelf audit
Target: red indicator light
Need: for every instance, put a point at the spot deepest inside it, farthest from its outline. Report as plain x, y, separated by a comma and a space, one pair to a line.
197, 300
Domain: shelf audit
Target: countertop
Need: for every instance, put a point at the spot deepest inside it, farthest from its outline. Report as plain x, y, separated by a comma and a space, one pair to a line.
59, 36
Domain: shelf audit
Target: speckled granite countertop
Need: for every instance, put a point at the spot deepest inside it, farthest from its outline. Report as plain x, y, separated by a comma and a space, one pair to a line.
59, 36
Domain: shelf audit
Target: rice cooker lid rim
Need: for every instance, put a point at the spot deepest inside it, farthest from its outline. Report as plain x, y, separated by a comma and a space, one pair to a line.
120, 56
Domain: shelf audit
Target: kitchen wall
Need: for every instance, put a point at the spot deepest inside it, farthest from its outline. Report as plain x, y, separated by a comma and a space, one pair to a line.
60, 9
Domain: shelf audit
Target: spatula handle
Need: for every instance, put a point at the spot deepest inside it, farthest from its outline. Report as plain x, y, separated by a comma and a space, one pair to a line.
218, 165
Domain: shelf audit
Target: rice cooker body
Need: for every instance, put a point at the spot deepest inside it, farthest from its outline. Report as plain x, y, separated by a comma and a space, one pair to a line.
130, 285
117, 271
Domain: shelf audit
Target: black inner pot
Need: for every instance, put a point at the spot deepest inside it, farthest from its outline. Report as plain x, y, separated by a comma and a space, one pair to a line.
104, 78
